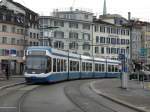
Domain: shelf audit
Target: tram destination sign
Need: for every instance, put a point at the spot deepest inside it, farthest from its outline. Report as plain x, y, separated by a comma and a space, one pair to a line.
36, 52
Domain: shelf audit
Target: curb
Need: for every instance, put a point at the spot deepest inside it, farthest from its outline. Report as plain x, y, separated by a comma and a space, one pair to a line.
115, 99
11, 85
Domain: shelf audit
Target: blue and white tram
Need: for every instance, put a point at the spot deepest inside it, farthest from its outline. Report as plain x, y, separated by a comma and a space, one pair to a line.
44, 64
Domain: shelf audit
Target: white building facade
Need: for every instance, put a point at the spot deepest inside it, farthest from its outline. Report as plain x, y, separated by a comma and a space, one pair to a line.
68, 30
110, 40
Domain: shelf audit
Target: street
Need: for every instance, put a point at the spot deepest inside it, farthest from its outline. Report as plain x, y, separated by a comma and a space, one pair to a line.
71, 96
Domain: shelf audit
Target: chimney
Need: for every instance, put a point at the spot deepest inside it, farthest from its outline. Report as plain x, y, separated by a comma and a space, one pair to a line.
129, 16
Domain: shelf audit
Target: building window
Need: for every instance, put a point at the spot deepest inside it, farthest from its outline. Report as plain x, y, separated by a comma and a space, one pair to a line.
30, 34
102, 29
96, 50
113, 50
127, 32
123, 41
37, 36
59, 34
86, 36
59, 23
96, 28
4, 40
30, 43
127, 41
73, 25
59, 44
4, 28
118, 50
113, 41
34, 35
118, 41
1, 16
86, 26
108, 29
97, 39
73, 35
108, 40
108, 50
86, 16
13, 41
102, 50
13, 29
122, 51
102, 39
73, 45
86, 46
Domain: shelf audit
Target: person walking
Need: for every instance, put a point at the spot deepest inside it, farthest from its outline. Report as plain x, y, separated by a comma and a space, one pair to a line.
7, 73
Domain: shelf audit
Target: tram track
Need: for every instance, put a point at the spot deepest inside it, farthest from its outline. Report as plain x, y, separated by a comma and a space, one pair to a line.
11, 98
83, 97
82, 101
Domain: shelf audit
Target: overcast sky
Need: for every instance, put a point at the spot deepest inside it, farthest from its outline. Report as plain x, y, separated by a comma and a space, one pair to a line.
138, 8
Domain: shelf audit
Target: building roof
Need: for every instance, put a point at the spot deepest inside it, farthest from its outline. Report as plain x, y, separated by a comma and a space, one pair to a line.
111, 16
101, 22
22, 7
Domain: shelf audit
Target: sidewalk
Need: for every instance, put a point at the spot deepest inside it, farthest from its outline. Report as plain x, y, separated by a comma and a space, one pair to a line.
12, 80
135, 95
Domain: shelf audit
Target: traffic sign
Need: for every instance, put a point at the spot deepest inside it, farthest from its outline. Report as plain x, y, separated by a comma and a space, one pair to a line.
143, 52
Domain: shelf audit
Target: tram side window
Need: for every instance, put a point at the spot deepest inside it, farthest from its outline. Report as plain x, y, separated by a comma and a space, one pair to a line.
62, 65
103, 68
83, 66
73, 66
116, 69
109, 68
70, 65
65, 65
100, 67
113, 68
77, 66
90, 66
49, 64
87, 66
58, 65
54, 65
96, 67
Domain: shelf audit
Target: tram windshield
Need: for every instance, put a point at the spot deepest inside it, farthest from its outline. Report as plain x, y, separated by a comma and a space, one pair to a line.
37, 64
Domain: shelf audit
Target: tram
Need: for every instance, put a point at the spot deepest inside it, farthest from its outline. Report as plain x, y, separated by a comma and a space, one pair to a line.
45, 64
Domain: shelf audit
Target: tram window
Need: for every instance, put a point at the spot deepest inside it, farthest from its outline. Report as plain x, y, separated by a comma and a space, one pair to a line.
87, 66
70, 65
113, 68
109, 68
54, 65
73, 65
58, 65
103, 68
100, 67
116, 69
83, 66
77, 66
90, 66
65, 65
49, 64
62, 65
96, 67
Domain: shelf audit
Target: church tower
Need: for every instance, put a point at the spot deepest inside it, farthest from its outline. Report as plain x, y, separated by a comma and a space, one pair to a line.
104, 8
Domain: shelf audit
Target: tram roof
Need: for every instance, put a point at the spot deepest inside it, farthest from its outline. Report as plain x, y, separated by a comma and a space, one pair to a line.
65, 53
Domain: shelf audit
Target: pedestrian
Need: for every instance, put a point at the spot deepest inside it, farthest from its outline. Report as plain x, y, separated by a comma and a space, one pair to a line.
6, 73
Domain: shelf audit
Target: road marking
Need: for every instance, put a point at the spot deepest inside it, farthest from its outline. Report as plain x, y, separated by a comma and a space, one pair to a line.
8, 107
